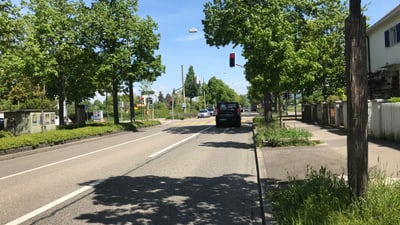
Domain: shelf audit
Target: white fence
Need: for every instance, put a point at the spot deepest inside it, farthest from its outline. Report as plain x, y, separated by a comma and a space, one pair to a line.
383, 117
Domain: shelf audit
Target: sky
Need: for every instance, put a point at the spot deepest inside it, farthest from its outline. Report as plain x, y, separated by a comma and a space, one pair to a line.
179, 47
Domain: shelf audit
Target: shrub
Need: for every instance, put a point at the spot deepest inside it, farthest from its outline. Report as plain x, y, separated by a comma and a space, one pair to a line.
310, 201
66, 133
272, 135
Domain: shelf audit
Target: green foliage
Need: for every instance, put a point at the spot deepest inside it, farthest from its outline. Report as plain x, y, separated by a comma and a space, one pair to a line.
66, 133
219, 91
324, 198
394, 99
192, 89
289, 45
312, 201
272, 135
4, 133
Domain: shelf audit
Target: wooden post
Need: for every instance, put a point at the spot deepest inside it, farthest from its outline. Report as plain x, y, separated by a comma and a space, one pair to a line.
357, 98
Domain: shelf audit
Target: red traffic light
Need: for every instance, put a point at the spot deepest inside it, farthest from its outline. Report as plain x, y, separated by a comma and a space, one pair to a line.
232, 59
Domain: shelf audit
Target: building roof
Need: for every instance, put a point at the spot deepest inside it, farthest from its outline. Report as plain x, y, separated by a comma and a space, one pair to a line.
395, 12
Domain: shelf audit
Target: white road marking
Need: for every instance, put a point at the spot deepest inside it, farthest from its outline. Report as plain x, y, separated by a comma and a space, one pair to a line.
177, 143
76, 157
53, 204
73, 194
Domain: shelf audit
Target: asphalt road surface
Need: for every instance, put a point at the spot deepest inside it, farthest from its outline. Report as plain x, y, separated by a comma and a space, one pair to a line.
181, 172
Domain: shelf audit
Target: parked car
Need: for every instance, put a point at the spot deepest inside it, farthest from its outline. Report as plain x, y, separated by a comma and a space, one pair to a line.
211, 111
228, 113
203, 113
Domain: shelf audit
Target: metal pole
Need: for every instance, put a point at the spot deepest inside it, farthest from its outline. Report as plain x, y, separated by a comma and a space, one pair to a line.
183, 90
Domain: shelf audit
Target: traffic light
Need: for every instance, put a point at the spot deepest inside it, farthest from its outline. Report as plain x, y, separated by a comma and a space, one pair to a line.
232, 60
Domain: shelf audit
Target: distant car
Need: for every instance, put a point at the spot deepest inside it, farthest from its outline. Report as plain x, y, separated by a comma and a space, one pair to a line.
211, 111
228, 113
203, 113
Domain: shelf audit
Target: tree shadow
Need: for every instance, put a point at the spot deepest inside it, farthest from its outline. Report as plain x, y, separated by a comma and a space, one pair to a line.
245, 128
228, 144
165, 200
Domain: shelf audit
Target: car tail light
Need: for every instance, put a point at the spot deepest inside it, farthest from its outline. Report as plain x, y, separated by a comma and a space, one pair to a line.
216, 111
238, 110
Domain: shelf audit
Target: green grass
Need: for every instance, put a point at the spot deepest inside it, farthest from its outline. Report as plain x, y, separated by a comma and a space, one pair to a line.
324, 198
272, 135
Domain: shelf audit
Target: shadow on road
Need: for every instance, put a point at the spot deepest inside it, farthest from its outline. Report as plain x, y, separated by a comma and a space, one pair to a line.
164, 200
228, 144
246, 127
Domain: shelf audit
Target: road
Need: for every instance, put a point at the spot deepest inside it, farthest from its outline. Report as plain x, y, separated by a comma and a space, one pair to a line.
181, 172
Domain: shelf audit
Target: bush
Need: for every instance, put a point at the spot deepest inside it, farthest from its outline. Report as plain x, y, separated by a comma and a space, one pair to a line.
4, 133
272, 135
325, 198
311, 201
65, 133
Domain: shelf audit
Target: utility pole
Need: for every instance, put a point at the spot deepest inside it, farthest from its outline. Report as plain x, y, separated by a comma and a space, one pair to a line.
357, 100
183, 90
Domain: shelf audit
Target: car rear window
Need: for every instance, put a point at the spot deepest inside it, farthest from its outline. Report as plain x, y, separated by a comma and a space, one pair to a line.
228, 107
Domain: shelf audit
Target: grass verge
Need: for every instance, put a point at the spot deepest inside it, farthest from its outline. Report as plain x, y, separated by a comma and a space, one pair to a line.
324, 198
271, 134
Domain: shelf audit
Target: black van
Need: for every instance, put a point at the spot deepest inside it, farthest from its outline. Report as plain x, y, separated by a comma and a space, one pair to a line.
228, 113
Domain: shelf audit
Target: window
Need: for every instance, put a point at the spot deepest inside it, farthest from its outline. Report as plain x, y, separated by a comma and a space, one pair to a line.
392, 36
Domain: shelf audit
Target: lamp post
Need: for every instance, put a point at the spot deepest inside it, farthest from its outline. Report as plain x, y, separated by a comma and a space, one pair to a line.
183, 91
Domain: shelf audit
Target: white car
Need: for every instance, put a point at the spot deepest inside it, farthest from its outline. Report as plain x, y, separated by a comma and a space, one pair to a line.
203, 113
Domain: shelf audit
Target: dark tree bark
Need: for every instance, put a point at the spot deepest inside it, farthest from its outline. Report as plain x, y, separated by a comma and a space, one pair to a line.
267, 106
115, 100
61, 98
357, 99
131, 102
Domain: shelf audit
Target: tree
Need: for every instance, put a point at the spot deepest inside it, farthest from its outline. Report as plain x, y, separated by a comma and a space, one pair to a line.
12, 64
192, 87
276, 39
218, 91
161, 97
56, 56
145, 64
357, 98
112, 24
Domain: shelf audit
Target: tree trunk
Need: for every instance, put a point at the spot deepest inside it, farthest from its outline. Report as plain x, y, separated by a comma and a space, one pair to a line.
267, 106
357, 98
61, 98
115, 100
131, 102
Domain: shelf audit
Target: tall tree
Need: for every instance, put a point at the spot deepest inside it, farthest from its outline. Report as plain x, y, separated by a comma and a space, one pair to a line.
218, 91
53, 45
11, 52
192, 87
280, 51
145, 64
357, 98
113, 24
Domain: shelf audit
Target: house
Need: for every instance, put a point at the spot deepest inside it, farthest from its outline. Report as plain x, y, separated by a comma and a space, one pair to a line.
384, 56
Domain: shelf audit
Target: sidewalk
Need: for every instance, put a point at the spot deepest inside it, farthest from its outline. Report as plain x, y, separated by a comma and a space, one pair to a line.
277, 164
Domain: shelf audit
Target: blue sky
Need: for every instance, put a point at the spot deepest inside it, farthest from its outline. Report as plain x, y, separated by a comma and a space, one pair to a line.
179, 47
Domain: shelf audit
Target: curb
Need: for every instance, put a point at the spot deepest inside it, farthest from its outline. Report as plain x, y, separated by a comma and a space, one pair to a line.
265, 204
268, 218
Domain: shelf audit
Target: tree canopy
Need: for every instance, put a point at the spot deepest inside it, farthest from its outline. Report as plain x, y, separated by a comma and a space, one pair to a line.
67, 50
287, 44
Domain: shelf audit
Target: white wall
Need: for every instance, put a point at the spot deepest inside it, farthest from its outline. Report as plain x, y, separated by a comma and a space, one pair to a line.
381, 55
